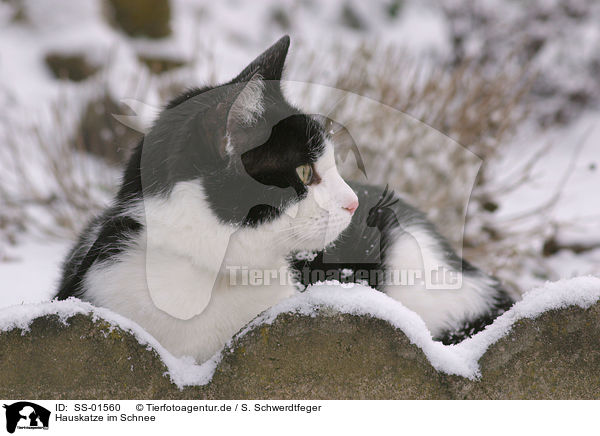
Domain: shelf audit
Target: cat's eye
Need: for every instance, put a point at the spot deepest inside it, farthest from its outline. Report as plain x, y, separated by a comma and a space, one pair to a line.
305, 173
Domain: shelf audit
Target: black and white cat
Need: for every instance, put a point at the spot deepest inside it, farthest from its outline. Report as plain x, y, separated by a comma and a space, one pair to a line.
234, 178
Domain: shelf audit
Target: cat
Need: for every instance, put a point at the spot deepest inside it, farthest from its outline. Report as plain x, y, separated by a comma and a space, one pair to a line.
233, 178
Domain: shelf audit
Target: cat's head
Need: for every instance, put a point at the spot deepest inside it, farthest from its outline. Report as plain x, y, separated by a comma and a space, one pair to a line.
261, 163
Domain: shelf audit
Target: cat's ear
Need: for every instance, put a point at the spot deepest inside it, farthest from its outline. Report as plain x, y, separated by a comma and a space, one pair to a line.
243, 126
245, 106
248, 105
269, 64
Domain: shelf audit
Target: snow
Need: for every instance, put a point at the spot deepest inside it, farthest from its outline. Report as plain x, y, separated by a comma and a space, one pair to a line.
577, 142
568, 172
461, 359
31, 272
305, 255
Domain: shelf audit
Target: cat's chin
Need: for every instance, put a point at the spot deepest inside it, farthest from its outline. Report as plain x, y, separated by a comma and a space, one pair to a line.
326, 237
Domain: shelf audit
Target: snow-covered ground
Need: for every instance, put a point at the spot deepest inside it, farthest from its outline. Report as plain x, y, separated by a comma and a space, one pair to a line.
31, 273
566, 178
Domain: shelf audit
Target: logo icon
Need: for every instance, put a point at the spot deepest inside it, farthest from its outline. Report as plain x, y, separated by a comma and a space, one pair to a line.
26, 415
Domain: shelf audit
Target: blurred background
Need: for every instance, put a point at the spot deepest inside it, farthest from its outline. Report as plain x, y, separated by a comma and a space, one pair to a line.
515, 82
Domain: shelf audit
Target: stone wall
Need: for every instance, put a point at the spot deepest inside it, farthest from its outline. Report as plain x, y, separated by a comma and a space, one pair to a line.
331, 356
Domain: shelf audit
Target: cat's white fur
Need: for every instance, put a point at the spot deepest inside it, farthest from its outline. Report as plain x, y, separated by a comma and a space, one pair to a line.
444, 308
175, 279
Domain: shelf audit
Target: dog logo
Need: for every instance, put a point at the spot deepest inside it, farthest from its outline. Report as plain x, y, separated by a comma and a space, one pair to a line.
26, 415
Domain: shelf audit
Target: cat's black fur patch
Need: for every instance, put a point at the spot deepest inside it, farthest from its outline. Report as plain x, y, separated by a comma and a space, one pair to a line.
114, 232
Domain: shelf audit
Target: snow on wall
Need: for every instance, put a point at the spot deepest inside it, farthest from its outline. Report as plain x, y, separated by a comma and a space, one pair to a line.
461, 359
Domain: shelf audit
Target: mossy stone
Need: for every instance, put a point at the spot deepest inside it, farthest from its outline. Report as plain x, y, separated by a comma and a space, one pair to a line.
328, 356
79, 360
555, 356
70, 67
146, 18
102, 135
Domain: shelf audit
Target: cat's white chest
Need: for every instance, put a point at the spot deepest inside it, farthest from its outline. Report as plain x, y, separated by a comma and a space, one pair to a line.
122, 287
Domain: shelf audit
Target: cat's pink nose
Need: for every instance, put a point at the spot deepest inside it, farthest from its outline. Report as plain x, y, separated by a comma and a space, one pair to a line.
352, 206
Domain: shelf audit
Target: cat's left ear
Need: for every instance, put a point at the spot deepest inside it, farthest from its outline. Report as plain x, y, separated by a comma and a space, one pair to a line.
243, 125
269, 64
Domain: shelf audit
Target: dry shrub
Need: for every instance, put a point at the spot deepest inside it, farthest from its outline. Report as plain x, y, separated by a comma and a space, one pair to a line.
160, 64
100, 134
46, 186
558, 37
62, 167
